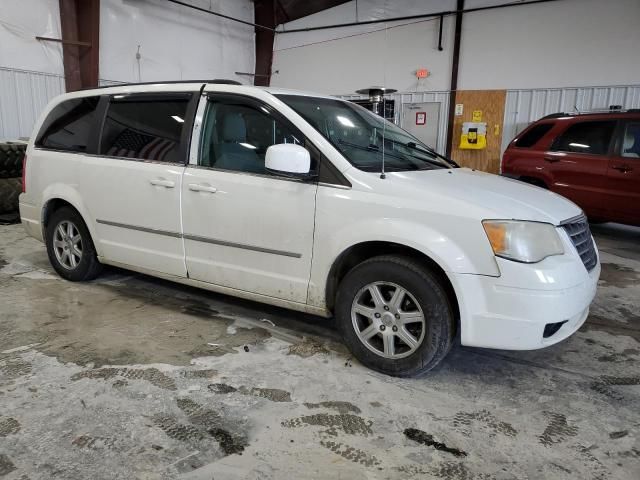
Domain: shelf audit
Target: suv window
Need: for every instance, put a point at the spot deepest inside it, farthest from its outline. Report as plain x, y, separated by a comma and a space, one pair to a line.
532, 135
237, 132
586, 137
69, 125
147, 127
631, 140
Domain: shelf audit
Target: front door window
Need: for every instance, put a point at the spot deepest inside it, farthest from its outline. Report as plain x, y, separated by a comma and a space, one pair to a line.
237, 133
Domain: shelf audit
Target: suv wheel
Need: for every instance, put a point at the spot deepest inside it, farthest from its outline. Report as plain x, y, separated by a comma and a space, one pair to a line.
70, 248
395, 316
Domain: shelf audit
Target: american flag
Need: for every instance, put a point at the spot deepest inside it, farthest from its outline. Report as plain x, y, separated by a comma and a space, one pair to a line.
132, 144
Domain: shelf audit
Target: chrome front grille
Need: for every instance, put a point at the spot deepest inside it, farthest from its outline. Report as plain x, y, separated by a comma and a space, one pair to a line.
580, 235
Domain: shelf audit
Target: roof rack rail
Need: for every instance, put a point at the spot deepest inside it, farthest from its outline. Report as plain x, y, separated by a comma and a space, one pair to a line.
220, 81
554, 115
595, 111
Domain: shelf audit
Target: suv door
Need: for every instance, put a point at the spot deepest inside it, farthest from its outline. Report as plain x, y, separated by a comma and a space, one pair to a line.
578, 162
132, 187
623, 176
244, 227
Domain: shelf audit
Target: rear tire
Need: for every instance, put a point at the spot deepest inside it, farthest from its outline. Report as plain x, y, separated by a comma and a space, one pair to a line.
10, 189
70, 248
11, 155
408, 328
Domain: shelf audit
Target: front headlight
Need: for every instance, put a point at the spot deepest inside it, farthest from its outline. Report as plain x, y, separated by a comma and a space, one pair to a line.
527, 242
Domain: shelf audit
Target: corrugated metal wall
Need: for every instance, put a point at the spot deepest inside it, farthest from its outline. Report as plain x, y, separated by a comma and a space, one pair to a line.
402, 100
23, 96
526, 106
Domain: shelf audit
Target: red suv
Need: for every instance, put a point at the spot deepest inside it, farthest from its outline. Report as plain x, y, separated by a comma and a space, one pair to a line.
591, 158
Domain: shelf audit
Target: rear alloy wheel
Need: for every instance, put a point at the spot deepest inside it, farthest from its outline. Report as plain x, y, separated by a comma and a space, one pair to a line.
69, 246
395, 315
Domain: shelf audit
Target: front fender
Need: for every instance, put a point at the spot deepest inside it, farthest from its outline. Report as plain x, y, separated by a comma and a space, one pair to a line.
470, 252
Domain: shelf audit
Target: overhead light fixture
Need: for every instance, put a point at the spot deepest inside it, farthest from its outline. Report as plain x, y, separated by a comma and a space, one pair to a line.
345, 121
248, 145
376, 97
177, 118
579, 145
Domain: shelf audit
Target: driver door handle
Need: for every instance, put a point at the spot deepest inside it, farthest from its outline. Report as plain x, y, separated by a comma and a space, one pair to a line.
162, 182
199, 187
550, 159
622, 168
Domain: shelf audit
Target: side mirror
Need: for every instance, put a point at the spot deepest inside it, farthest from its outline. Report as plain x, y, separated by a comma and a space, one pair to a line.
288, 159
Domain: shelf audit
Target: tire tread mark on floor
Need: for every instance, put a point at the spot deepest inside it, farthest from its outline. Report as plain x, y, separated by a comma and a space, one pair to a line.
557, 429
339, 406
8, 426
176, 430
213, 423
351, 453
14, 368
151, 375
6, 465
462, 421
350, 424
604, 383
94, 443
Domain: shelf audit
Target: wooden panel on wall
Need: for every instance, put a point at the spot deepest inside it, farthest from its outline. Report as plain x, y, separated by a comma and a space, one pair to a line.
491, 103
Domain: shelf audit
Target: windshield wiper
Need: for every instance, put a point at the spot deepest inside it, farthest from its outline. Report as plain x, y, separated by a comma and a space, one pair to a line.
414, 146
370, 148
430, 150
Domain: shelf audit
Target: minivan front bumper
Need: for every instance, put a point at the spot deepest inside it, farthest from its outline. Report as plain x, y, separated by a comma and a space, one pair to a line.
511, 311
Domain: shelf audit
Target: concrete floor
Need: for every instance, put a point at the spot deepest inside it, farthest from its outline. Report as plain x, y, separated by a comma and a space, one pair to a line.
132, 377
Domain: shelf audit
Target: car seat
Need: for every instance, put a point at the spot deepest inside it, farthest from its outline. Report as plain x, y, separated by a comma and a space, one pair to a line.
233, 152
631, 144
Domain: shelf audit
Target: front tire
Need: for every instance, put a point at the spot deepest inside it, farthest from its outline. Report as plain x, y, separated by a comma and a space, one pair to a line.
70, 248
395, 316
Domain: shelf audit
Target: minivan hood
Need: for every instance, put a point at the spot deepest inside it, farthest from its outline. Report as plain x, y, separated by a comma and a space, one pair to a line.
500, 197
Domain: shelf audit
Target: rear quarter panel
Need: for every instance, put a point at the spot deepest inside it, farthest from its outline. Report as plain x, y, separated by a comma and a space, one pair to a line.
53, 175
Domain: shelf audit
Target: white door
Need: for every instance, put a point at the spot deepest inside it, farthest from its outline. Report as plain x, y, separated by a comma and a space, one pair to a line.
245, 228
421, 120
132, 189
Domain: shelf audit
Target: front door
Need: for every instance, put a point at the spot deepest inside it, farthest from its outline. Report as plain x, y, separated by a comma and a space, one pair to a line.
244, 227
577, 164
421, 120
623, 176
132, 188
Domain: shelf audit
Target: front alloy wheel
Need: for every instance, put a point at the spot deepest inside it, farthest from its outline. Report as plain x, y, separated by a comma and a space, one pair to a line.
395, 315
388, 320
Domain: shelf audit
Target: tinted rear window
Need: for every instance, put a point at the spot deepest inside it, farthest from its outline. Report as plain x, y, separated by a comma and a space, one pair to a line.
148, 128
586, 137
69, 125
531, 136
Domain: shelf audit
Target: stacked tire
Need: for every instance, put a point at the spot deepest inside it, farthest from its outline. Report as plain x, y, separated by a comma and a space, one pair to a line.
11, 156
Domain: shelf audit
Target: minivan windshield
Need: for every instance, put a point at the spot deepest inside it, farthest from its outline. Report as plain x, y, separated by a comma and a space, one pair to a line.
363, 137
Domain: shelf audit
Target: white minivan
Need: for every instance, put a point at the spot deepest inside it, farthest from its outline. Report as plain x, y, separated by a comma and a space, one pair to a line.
311, 203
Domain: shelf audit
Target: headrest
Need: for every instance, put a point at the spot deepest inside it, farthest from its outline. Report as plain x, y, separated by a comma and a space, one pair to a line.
629, 140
